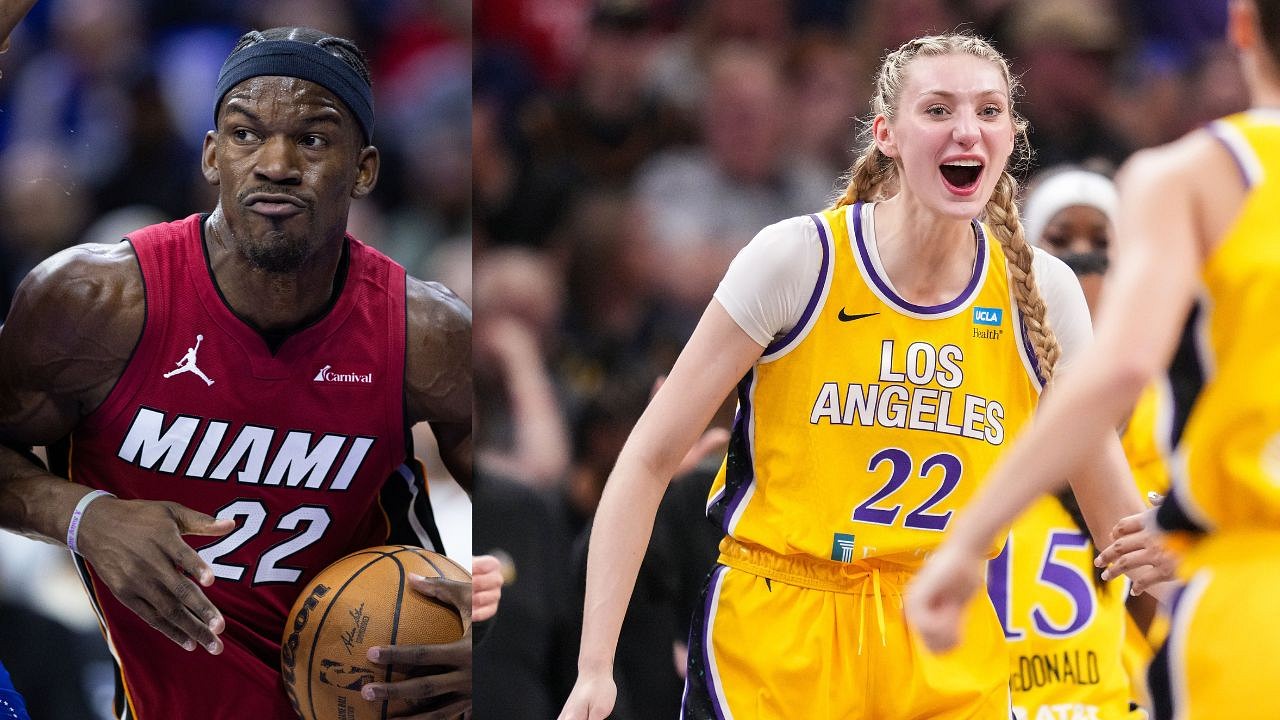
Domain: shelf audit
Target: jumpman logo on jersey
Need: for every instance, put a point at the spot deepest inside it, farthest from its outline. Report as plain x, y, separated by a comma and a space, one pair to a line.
188, 363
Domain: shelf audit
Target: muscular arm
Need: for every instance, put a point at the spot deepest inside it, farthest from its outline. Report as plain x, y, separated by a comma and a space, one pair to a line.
74, 322
438, 387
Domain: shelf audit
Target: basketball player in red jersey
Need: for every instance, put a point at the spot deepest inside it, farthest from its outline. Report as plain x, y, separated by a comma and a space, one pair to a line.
247, 378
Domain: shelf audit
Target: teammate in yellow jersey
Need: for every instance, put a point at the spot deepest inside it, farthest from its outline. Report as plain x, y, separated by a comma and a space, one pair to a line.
1198, 216
1071, 640
884, 351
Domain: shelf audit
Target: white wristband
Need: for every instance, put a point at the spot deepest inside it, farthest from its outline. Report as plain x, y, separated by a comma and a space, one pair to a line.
74, 528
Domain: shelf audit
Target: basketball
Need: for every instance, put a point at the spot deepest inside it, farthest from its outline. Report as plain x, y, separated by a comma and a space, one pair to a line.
361, 601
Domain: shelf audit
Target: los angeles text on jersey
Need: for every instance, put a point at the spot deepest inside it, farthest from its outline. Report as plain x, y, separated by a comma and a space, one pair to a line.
903, 398
156, 442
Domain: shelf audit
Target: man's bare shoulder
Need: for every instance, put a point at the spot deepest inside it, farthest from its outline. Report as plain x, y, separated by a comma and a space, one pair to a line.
438, 369
432, 305
74, 322
82, 288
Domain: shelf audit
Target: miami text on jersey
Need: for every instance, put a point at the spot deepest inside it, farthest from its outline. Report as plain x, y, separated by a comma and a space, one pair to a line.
903, 398
154, 444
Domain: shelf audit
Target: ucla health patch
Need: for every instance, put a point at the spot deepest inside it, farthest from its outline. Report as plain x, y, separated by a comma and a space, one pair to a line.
987, 316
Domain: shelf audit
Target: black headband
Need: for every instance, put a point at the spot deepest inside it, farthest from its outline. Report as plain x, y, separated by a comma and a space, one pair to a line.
291, 58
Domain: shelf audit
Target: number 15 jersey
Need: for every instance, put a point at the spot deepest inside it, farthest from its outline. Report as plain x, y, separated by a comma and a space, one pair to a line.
866, 427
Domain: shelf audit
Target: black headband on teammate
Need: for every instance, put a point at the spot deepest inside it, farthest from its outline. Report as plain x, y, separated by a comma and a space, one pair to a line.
290, 58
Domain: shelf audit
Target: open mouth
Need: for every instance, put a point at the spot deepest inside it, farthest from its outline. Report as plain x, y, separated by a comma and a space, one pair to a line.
961, 175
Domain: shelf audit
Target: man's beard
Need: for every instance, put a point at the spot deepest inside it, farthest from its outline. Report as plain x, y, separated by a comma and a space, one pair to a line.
275, 252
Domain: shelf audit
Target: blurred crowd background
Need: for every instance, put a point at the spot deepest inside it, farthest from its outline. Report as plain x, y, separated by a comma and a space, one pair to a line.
104, 105
623, 152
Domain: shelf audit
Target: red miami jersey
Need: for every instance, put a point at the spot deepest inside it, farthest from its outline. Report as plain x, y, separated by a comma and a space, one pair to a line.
295, 445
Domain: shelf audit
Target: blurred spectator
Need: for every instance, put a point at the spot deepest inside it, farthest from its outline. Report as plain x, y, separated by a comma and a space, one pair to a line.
610, 121
543, 31
1064, 50
681, 74
521, 428
705, 202
42, 208
883, 25
594, 134
616, 321
827, 86
75, 94
527, 664
517, 201
648, 686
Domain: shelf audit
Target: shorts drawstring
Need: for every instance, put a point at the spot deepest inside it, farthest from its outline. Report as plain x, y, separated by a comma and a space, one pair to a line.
844, 577
872, 573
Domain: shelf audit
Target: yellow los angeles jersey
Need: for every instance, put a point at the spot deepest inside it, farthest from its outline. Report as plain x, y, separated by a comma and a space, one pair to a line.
863, 431
1065, 633
1141, 440
1228, 474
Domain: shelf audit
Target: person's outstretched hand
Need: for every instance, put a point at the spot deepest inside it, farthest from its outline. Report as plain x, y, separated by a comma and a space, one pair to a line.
136, 549
1137, 550
937, 597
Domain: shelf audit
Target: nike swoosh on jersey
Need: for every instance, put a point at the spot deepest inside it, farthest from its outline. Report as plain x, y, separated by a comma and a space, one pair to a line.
845, 317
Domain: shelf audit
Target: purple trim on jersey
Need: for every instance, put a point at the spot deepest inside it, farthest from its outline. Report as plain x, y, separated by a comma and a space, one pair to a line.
965, 295
713, 591
1215, 130
1030, 350
814, 296
739, 466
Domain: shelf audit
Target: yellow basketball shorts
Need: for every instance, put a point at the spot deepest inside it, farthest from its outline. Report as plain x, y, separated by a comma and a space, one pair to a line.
1220, 658
762, 649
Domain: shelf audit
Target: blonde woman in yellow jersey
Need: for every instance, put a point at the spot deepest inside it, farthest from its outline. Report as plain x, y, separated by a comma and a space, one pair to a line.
1197, 217
884, 351
1071, 640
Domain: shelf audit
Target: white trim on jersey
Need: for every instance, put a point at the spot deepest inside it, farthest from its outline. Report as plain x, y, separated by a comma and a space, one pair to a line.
1240, 149
1178, 630
715, 692
423, 536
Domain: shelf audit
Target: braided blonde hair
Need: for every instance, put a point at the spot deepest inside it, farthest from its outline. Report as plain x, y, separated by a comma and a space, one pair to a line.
874, 176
